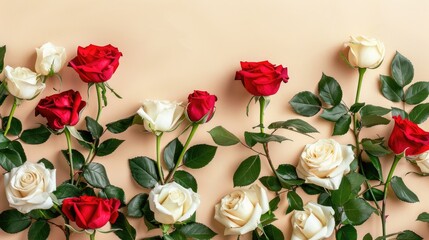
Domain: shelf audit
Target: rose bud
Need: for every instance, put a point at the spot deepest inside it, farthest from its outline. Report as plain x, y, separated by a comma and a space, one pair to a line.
365, 52
407, 136
50, 59
201, 106
161, 116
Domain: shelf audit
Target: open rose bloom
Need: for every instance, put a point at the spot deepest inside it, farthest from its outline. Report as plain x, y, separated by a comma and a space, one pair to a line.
315, 222
23, 83
161, 116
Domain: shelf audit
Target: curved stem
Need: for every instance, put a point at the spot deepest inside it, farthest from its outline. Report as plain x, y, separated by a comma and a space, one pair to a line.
158, 158
92, 235
182, 154
9, 119
70, 152
262, 102
386, 186
99, 96
66, 220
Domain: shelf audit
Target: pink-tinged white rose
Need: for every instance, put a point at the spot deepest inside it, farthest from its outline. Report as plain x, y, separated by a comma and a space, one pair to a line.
50, 59
315, 222
365, 52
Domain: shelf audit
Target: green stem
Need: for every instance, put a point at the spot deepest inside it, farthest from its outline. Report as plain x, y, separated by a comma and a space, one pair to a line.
182, 154
66, 220
158, 158
99, 96
92, 236
69, 147
9, 119
386, 186
361, 73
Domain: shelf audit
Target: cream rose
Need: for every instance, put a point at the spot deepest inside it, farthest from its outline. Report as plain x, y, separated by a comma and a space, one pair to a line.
365, 52
50, 59
29, 186
161, 116
173, 203
314, 223
23, 83
324, 163
240, 211
422, 161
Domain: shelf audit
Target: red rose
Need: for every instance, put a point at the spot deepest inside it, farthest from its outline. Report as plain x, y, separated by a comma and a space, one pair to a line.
61, 109
200, 104
91, 212
261, 78
407, 136
96, 64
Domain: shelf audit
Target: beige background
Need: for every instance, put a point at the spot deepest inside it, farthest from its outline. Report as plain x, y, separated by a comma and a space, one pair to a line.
172, 47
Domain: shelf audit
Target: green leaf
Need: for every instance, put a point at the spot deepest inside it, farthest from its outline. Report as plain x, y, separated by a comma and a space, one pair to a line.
346, 232
324, 199
375, 149
186, 180
66, 190
127, 231
335, 113
377, 165
253, 138
402, 70
312, 189
15, 126
306, 104
342, 125
271, 183
417, 93
274, 203
356, 107
120, 125
367, 237
355, 180
248, 171
2, 54
41, 214
402, 191
144, 171
294, 201
3, 92
358, 210
94, 127
223, 137
12, 221
197, 231
199, 156
172, 152
95, 174
399, 112
329, 90
370, 110
109, 146
371, 172
17, 147
423, 217
112, 191
296, 125
372, 120
35, 135
46, 163
408, 235
390, 89
9, 159
136, 204
78, 158
39, 230
288, 176
378, 194
176, 235
272, 232
342, 194
419, 113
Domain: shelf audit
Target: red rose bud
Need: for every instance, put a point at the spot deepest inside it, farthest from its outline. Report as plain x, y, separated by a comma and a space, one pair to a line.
407, 136
61, 109
262, 78
96, 64
201, 106
91, 212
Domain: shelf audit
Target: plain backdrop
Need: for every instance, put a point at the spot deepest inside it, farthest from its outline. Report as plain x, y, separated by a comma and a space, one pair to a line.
171, 48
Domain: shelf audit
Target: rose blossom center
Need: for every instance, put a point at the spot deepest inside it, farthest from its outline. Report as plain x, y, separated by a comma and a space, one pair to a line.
308, 223
237, 207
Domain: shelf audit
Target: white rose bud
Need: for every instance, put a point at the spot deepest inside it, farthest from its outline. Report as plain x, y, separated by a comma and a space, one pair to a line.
29, 186
422, 161
23, 83
324, 163
365, 52
173, 203
50, 59
240, 211
314, 223
161, 116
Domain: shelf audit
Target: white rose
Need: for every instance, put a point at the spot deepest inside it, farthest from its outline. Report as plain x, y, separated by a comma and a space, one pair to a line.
161, 116
173, 203
422, 161
314, 223
324, 163
50, 59
29, 186
23, 83
365, 52
240, 211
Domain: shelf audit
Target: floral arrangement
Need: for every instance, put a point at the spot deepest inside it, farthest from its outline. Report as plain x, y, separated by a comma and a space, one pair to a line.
344, 181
